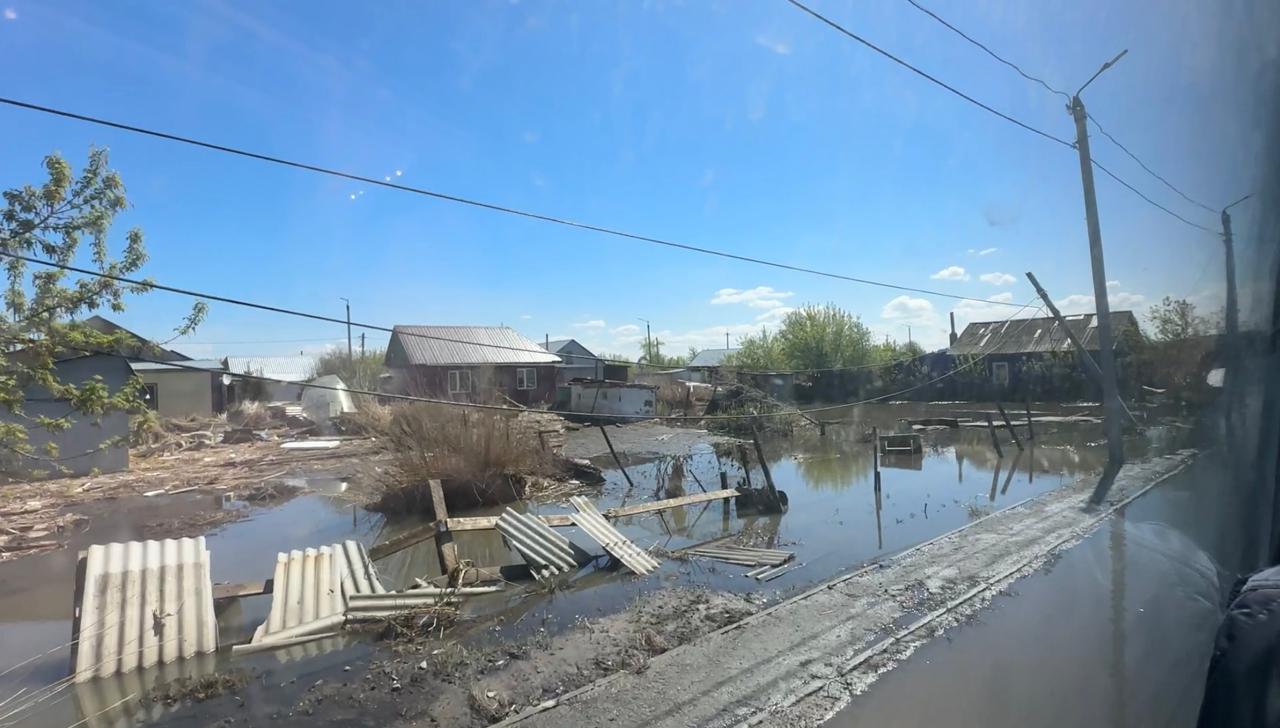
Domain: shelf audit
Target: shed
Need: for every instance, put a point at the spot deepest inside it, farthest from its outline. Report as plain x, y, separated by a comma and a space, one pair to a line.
705, 367
604, 398
470, 364
83, 447
191, 388
291, 371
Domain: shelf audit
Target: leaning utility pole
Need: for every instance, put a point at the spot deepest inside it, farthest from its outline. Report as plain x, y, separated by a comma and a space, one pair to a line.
349, 353
1112, 409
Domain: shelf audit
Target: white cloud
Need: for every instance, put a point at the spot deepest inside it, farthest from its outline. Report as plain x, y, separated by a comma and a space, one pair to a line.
1123, 300
995, 308
998, 279
592, 324
758, 297
1076, 303
951, 273
526, 317
907, 310
10, 14
1113, 284
775, 314
626, 330
781, 48
987, 251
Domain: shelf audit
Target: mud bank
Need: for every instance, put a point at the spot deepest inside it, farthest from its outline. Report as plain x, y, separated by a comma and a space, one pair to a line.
803, 660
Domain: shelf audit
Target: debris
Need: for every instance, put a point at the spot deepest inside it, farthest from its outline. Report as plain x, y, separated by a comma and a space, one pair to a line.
310, 444
312, 587
734, 554
547, 552
593, 524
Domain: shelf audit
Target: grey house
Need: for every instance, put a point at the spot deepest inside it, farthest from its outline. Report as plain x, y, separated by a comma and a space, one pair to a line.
82, 448
580, 363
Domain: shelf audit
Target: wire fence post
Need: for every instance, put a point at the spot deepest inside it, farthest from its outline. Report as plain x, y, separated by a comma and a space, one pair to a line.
995, 443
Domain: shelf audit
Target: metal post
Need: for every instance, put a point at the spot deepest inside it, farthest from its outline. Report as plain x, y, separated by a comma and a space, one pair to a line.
349, 352
1112, 408
616, 459
775, 503
362, 345
1031, 433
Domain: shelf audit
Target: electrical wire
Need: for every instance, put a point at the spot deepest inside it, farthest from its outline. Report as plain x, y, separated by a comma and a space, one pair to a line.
979, 104
493, 207
391, 329
1142, 164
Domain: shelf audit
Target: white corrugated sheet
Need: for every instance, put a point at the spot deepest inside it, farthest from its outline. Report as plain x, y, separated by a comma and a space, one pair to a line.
144, 603
448, 345
589, 520
547, 552
311, 587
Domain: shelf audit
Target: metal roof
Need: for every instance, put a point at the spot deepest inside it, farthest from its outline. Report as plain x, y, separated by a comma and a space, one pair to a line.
1037, 335
592, 522
710, 357
555, 345
144, 603
285, 368
468, 345
153, 366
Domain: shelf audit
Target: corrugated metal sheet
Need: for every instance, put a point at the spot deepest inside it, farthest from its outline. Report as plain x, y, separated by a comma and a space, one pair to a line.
710, 357
743, 555
286, 368
460, 345
547, 552
589, 520
311, 587
144, 603
1037, 335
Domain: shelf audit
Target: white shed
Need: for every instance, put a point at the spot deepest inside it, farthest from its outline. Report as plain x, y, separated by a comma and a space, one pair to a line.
613, 398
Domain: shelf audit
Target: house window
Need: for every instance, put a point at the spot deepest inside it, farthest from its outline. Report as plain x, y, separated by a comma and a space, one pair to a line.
526, 378
459, 381
153, 396
1000, 372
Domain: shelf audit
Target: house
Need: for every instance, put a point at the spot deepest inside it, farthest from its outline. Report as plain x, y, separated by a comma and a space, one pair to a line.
1011, 348
486, 364
705, 367
602, 399
136, 347
90, 444
579, 363
290, 371
191, 388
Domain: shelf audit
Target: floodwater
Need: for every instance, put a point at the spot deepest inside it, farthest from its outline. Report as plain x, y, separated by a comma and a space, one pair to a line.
1117, 632
835, 521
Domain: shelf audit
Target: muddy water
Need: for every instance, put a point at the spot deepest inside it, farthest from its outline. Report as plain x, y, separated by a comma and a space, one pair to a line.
834, 522
1118, 632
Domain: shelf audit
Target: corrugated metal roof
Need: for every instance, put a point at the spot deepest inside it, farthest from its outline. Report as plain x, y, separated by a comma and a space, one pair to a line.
313, 584
555, 345
286, 368
589, 519
144, 603
1037, 335
458, 345
710, 357
145, 366
547, 552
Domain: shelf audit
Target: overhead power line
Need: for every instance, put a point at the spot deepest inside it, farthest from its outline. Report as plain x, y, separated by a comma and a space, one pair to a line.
392, 330
478, 203
1066, 96
981, 105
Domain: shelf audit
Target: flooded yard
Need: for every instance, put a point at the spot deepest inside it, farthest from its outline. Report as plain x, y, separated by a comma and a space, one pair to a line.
834, 522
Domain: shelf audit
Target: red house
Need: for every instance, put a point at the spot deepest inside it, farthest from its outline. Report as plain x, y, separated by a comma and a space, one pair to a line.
484, 364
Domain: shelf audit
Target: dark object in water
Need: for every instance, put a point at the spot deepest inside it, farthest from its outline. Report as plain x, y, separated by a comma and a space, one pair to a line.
758, 499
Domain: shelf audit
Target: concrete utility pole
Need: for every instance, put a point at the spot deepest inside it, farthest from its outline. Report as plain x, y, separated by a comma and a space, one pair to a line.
726, 334
648, 344
1232, 323
361, 344
348, 302
1112, 407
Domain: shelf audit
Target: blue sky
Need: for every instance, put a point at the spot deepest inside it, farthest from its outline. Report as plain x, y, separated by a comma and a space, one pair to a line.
747, 127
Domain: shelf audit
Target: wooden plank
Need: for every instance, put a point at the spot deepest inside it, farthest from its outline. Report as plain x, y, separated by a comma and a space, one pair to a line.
482, 523
446, 549
403, 541
663, 505
248, 589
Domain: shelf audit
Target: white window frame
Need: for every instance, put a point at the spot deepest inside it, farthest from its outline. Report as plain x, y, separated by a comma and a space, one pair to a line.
456, 379
526, 378
1000, 366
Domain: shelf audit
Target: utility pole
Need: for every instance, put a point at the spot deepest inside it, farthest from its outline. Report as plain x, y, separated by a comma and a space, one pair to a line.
1232, 323
908, 334
726, 339
361, 344
1112, 408
348, 302
648, 343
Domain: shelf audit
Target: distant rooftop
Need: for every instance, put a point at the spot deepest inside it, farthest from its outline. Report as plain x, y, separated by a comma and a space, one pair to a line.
283, 368
1036, 335
154, 366
710, 357
467, 345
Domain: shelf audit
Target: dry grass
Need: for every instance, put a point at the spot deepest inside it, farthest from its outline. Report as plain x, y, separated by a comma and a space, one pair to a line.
482, 457
249, 413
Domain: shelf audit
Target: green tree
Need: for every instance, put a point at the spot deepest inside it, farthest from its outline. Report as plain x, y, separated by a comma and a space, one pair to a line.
1174, 319
761, 352
820, 337
52, 221
361, 371
651, 354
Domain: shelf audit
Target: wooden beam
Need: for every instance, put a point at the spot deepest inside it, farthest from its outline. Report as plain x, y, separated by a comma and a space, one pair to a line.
403, 541
446, 549
560, 520
482, 523
247, 589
